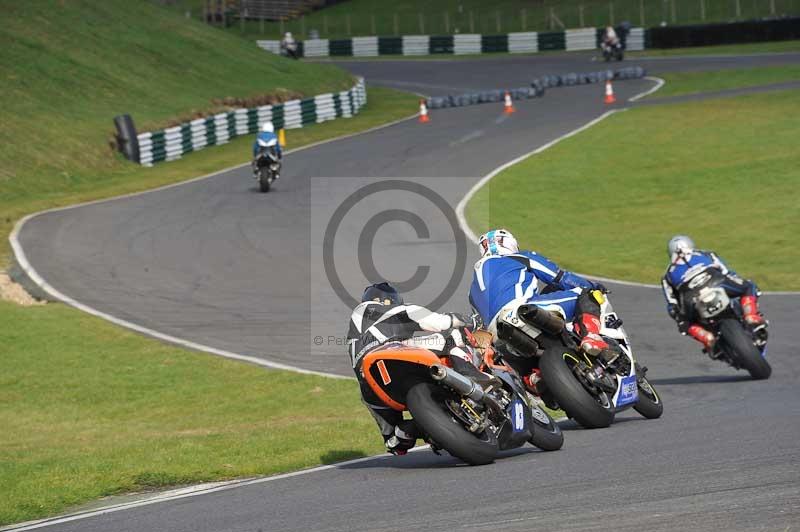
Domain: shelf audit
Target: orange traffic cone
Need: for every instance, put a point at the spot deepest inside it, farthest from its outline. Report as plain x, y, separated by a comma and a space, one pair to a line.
508, 105
609, 93
423, 112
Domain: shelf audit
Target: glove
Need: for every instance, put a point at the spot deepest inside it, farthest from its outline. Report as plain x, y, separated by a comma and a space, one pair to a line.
597, 285
683, 326
403, 439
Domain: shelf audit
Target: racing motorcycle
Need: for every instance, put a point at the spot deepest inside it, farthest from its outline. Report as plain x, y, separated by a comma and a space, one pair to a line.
612, 51
588, 389
452, 411
267, 164
739, 344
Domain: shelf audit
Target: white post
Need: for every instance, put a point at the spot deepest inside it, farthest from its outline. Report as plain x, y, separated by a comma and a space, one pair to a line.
772, 7
611, 13
446, 22
738, 9
580, 16
497, 15
674, 14
703, 10
421, 23
641, 13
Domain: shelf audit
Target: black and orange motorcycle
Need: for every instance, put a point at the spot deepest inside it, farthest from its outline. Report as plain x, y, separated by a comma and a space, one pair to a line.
452, 411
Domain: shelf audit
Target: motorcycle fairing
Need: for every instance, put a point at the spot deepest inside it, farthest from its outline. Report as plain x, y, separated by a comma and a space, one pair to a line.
392, 370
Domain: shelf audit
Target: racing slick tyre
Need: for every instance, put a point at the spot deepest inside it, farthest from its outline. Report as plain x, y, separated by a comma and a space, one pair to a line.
264, 180
649, 404
590, 411
547, 435
426, 403
739, 346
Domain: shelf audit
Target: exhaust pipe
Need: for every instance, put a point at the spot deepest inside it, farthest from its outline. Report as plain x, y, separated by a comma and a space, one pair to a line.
458, 382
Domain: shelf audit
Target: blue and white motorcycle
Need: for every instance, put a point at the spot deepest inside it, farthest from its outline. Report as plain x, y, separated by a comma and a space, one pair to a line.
588, 389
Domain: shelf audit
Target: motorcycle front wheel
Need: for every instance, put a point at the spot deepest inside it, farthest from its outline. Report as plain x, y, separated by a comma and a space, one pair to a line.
547, 435
649, 404
739, 345
426, 403
590, 411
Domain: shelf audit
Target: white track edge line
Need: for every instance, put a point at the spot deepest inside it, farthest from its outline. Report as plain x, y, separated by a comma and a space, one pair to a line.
22, 261
659, 83
462, 221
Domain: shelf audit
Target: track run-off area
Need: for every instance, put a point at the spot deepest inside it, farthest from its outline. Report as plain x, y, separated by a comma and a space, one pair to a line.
217, 266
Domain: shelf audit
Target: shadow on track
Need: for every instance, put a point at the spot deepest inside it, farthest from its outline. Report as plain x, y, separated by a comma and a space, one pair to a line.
426, 459
703, 379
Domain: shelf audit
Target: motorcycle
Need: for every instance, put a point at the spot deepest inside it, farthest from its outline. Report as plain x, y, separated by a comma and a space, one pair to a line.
612, 51
267, 164
739, 344
452, 411
588, 389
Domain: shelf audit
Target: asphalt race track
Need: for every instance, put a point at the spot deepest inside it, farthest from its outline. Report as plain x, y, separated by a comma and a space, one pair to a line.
217, 263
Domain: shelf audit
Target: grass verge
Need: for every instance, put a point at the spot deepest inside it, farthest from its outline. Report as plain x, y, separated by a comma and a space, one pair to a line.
679, 83
725, 171
723, 49
89, 409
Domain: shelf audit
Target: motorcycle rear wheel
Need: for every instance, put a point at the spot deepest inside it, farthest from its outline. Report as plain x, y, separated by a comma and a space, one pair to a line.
740, 347
426, 403
264, 179
570, 394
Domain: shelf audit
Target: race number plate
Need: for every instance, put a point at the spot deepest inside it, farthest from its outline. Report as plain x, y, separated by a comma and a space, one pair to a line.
628, 391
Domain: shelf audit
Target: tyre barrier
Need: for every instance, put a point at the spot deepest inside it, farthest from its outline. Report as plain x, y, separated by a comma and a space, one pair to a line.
475, 98
571, 79
536, 89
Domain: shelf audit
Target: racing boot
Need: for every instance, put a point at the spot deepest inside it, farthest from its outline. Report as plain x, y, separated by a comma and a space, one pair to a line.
469, 370
704, 336
588, 328
532, 380
750, 312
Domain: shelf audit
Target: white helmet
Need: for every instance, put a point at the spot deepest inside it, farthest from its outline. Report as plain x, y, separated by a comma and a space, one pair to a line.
679, 245
268, 127
498, 242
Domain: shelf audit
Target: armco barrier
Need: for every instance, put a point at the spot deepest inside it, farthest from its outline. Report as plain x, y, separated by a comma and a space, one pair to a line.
523, 42
581, 39
172, 143
467, 43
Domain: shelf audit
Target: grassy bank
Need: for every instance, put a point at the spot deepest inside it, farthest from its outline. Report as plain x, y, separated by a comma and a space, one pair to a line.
89, 409
678, 83
409, 17
725, 171
70, 67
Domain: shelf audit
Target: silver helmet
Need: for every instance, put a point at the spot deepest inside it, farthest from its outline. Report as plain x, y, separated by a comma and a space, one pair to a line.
680, 244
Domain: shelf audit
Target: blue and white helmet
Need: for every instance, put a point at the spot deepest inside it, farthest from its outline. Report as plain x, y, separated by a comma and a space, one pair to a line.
498, 242
679, 245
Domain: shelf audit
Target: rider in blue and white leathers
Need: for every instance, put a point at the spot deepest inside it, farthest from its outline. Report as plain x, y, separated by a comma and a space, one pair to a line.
506, 278
686, 262
265, 138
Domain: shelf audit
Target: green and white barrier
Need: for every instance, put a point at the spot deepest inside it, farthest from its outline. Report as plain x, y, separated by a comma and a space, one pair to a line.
172, 143
467, 43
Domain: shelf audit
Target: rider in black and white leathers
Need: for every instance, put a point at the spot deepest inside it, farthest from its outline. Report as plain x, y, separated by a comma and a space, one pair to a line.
382, 318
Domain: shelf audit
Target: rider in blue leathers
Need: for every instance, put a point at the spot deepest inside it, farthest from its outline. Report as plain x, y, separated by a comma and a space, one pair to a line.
685, 263
265, 138
506, 278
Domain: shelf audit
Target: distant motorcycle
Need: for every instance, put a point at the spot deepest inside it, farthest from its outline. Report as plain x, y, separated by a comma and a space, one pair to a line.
587, 388
739, 344
452, 411
267, 164
612, 51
